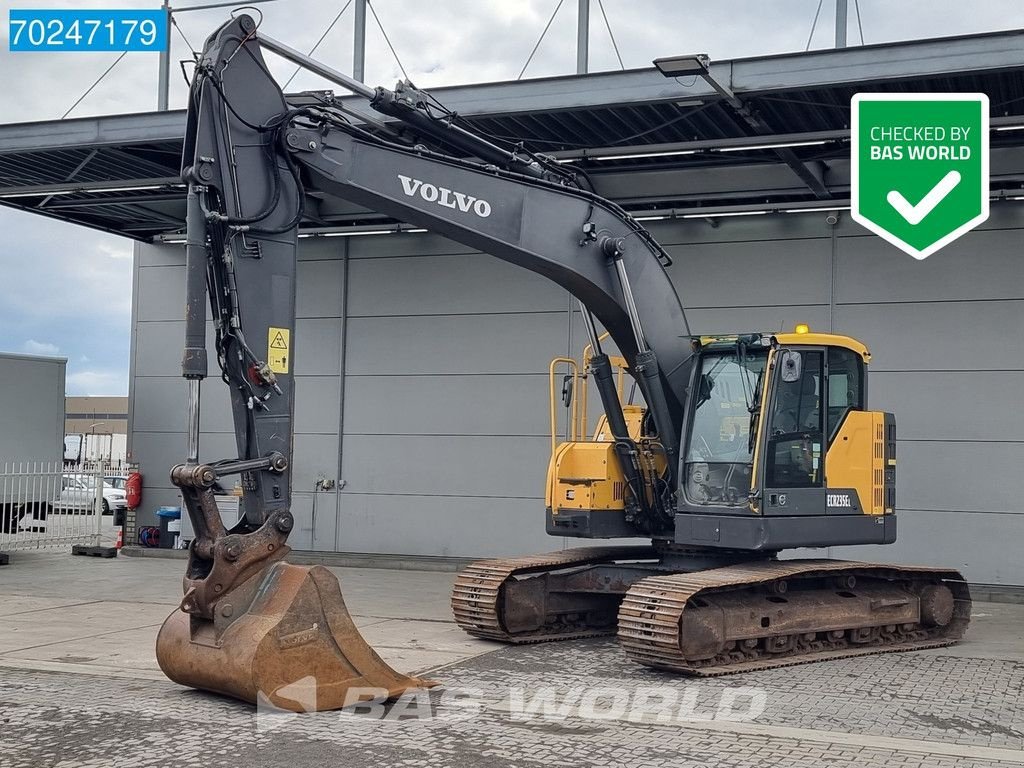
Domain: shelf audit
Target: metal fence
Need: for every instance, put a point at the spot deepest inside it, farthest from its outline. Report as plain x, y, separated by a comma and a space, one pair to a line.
49, 505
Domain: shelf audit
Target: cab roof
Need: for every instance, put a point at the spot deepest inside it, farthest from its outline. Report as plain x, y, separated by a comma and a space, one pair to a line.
789, 339
825, 340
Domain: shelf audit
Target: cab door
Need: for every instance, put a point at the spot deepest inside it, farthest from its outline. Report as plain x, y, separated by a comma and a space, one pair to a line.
795, 444
813, 391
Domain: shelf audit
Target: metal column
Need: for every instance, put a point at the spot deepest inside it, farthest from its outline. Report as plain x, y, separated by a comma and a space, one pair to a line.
165, 63
359, 45
583, 37
841, 16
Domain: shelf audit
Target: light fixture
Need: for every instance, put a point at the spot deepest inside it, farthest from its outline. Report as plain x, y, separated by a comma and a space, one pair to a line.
90, 190
1011, 128
817, 209
179, 237
676, 66
353, 233
713, 215
752, 147
143, 188
649, 218
639, 155
802, 328
13, 195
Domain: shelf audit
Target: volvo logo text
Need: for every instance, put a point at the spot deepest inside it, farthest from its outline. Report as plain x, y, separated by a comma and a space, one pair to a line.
446, 197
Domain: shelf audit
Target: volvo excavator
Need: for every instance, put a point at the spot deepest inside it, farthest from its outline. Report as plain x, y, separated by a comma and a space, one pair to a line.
734, 449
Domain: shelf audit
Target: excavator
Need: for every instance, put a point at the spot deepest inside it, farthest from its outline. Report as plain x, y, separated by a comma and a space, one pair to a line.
727, 451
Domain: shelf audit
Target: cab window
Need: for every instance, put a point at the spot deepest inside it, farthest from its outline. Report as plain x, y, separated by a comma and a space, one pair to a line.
796, 434
845, 386
719, 454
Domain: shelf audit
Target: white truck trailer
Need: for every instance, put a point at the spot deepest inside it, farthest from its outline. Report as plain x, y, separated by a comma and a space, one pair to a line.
87, 447
31, 434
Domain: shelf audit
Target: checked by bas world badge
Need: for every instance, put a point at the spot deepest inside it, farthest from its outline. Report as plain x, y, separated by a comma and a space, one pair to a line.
919, 175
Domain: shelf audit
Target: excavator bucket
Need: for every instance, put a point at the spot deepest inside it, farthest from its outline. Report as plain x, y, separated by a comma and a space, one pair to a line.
284, 638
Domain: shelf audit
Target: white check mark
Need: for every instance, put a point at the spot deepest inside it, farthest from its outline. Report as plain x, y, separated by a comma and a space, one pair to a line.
915, 213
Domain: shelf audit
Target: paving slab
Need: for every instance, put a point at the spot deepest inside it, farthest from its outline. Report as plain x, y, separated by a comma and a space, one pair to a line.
404, 614
71, 697
128, 649
997, 632
11, 605
370, 592
82, 621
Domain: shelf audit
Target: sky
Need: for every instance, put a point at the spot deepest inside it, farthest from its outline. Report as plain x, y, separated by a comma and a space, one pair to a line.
66, 290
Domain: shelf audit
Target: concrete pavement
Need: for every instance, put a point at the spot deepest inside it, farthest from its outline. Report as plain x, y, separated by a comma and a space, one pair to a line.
103, 615
79, 687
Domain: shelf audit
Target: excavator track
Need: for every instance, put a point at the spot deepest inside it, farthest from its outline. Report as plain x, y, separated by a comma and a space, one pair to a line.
767, 614
478, 592
709, 622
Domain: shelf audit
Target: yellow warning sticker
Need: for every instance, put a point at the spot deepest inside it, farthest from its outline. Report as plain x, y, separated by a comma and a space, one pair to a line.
278, 345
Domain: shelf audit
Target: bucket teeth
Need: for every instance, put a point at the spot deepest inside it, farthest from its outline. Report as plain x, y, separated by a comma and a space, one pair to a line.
294, 646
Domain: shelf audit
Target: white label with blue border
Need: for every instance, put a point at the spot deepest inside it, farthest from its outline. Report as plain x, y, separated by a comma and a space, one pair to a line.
87, 30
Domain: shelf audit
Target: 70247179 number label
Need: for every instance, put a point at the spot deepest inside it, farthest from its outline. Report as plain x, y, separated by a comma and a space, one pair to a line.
87, 30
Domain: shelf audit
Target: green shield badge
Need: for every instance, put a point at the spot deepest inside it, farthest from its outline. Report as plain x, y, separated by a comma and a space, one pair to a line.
919, 171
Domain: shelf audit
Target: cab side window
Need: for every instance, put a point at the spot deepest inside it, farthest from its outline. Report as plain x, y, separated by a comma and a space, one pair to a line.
845, 386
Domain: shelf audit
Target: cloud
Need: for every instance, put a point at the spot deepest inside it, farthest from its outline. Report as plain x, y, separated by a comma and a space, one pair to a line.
33, 347
67, 290
93, 383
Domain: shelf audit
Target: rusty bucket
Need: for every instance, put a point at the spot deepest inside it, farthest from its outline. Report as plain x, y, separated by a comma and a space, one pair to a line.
284, 638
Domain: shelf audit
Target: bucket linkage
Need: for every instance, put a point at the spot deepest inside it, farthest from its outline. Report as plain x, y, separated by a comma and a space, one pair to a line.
256, 628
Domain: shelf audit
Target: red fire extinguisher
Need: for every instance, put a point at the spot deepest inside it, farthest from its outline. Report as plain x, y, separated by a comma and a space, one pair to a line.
133, 490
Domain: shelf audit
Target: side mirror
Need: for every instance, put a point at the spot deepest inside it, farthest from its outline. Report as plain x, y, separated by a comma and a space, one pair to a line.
704, 387
791, 366
567, 390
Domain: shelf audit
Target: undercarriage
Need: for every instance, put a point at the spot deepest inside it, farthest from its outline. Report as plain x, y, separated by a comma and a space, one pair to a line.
712, 614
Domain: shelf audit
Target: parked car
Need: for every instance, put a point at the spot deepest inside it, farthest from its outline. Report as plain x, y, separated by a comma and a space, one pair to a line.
78, 493
116, 481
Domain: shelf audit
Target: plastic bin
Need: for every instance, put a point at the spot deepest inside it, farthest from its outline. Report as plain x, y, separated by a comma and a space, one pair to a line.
170, 526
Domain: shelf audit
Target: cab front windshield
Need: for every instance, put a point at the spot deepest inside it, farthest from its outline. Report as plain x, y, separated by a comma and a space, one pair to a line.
719, 454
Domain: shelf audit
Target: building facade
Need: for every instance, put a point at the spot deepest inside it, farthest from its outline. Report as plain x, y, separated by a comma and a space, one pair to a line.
98, 415
422, 386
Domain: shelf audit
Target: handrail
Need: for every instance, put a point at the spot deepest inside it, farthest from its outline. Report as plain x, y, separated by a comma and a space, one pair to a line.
574, 367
